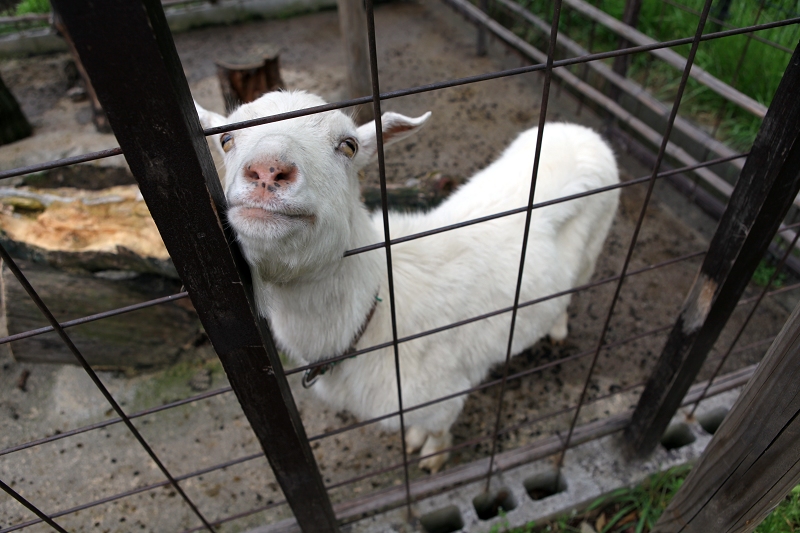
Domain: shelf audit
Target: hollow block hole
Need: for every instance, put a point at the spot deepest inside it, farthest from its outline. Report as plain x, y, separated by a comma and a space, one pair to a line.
489, 504
677, 436
444, 520
711, 420
544, 485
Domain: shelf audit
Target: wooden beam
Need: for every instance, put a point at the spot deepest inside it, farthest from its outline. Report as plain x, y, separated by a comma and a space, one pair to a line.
753, 461
156, 124
353, 26
766, 188
670, 57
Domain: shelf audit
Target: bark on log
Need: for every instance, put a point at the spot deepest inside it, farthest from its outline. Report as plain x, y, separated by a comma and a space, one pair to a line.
244, 79
148, 337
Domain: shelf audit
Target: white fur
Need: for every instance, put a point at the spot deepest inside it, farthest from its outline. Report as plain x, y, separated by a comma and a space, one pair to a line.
316, 300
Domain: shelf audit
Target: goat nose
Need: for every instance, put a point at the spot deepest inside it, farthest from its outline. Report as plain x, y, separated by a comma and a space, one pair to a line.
271, 173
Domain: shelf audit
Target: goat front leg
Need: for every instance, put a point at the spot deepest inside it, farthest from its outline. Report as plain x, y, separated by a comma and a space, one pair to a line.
415, 439
558, 333
436, 442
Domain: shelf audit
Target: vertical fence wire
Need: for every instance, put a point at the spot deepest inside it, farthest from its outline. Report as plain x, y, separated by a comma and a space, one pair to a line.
548, 75
99, 384
32, 508
376, 104
642, 213
740, 331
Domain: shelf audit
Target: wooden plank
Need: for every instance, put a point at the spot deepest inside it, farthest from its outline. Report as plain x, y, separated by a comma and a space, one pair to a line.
156, 124
353, 26
670, 57
753, 460
766, 188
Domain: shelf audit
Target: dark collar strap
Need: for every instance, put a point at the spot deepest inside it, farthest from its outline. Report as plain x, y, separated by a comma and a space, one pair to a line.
313, 374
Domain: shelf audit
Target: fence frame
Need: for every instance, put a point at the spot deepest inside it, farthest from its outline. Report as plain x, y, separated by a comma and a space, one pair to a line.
158, 130
765, 191
190, 216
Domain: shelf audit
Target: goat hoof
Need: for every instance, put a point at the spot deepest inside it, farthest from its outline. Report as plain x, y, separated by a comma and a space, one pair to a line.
558, 343
415, 439
435, 463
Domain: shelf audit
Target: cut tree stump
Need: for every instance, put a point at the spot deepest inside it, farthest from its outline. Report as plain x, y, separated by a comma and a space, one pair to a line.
148, 337
243, 79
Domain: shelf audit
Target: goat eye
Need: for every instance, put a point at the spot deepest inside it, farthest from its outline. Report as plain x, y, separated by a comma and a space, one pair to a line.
348, 147
226, 140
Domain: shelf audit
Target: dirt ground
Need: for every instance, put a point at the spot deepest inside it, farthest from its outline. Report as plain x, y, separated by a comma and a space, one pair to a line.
419, 42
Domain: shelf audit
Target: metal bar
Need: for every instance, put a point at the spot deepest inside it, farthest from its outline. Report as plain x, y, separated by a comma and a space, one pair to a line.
40, 167
242, 514
35, 510
417, 90
635, 237
494, 313
548, 77
138, 490
764, 192
99, 384
376, 103
168, 155
112, 421
724, 24
746, 321
487, 385
92, 318
539, 205
670, 57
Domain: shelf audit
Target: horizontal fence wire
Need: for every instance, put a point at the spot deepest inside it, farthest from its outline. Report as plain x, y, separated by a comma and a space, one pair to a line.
497, 312
67, 341
32, 508
724, 24
92, 318
415, 90
181, 295
348, 103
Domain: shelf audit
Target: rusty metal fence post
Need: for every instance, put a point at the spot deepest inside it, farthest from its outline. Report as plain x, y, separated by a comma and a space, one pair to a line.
766, 189
128, 51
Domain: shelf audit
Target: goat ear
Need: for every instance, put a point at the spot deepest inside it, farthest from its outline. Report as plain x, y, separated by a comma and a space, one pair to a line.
209, 119
395, 127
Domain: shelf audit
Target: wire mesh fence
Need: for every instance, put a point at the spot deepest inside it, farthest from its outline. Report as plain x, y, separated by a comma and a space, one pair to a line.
304, 489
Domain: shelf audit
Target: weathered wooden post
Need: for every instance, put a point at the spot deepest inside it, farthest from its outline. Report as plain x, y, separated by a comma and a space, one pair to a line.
157, 127
767, 186
98, 115
13, 124
753, 461
353, 25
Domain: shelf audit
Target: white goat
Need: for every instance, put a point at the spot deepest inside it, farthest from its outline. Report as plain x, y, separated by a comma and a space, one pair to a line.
293, 194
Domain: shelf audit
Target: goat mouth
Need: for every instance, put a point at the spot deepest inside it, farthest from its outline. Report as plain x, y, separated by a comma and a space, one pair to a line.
267, 215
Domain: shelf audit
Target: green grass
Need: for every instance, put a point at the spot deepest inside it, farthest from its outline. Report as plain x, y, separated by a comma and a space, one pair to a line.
764, 272
33, 6
637, 509
759, 76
